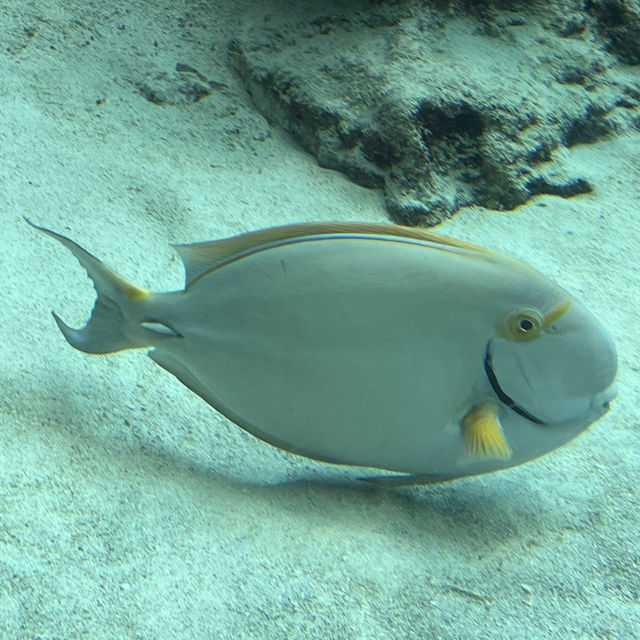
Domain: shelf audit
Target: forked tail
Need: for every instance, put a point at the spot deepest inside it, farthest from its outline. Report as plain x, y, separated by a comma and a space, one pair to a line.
109, 328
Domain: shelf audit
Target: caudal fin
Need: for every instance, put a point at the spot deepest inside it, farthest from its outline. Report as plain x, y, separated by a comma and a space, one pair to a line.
108, 328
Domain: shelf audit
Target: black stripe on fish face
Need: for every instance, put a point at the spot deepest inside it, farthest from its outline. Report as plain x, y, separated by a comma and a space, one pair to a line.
502, 396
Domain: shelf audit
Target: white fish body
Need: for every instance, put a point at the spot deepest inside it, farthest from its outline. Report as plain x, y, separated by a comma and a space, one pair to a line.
371, 345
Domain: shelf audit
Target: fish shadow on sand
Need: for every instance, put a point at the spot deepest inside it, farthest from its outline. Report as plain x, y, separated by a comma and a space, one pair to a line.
472, 512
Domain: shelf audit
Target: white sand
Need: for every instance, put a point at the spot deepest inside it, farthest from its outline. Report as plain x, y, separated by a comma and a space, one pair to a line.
130, 509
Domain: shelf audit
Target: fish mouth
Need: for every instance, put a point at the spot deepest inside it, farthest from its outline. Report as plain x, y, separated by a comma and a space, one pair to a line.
602, 401
502, 396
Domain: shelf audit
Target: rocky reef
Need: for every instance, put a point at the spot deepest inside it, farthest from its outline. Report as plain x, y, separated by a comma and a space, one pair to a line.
445, 104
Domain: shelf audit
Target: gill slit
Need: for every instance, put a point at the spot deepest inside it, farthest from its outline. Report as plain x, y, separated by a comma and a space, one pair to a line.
502, 396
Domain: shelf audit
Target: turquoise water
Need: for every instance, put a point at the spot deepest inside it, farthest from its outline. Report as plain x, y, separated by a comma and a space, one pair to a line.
131, 508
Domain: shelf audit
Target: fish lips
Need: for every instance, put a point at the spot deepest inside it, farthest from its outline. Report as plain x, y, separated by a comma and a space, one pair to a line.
549, 382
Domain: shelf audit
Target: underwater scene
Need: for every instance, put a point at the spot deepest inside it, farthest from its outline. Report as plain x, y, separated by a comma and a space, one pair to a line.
382, 256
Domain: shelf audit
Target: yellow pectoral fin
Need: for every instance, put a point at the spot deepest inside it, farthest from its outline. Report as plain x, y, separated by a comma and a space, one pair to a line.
482, 433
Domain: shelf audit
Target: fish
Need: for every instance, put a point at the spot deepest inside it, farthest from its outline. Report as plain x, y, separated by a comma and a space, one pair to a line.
368, 344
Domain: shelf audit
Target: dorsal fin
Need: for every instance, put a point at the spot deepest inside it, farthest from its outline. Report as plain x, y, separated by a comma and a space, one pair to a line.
203, 256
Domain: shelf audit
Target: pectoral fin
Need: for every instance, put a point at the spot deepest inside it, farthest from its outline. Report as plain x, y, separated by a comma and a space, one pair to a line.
483, 435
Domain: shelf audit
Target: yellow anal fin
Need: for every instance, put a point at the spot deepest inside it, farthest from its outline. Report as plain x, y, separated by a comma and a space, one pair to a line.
482, 433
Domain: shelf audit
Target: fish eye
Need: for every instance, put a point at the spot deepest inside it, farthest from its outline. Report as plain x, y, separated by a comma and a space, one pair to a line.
525, 325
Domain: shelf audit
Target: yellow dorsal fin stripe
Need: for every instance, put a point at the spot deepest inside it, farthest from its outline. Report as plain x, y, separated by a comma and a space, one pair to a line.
482, 433
200, 257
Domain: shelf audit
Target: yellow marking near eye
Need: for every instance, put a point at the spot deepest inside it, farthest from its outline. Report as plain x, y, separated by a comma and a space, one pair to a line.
556, 312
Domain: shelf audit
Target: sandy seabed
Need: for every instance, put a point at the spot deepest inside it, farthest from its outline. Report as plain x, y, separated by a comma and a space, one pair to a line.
130, 509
